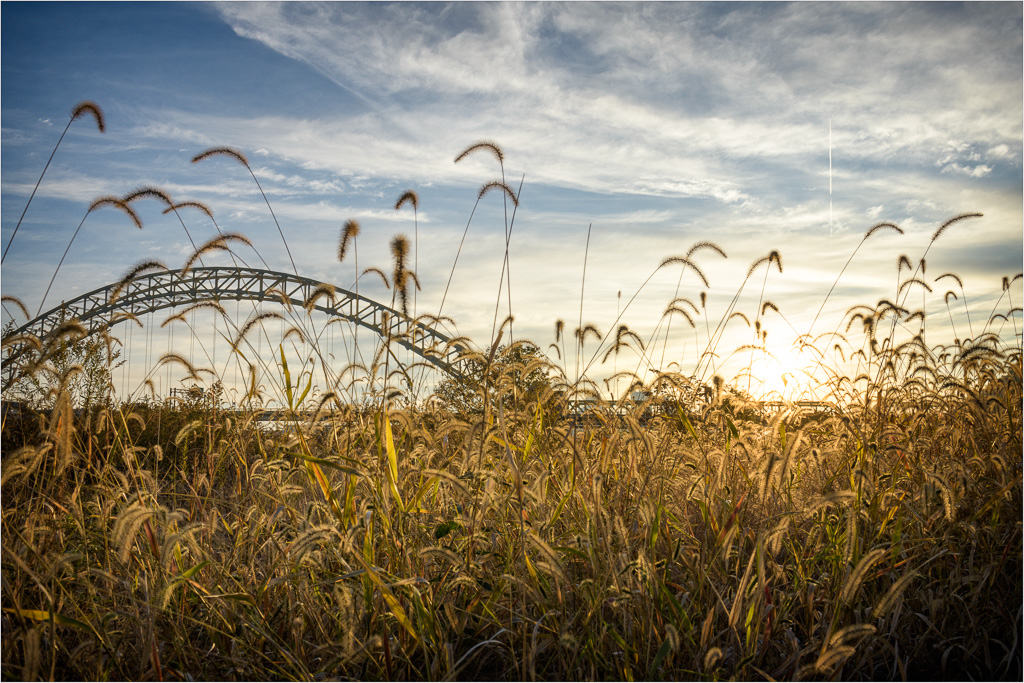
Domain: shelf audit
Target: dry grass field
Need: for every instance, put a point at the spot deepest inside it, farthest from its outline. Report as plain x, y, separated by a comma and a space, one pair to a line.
490, 531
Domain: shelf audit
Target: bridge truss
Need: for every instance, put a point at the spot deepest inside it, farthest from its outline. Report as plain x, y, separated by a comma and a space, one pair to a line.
107, 306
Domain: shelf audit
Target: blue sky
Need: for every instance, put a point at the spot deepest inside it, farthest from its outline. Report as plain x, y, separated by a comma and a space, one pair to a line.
661, 125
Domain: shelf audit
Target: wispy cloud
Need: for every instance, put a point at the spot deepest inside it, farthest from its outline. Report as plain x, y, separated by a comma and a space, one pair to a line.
661, 123
659, 99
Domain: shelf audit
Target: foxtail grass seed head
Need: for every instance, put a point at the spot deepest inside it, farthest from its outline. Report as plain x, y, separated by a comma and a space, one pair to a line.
117, 203
700, 246
686, 263
218, 243
878, 227
741, 315
324, 290
955, 219
400, 250
485, 145
408, 197
348, 233
190, 205
590, 329
147, 192
711, 658
401, 277
759, 262
498, 185
175, 358
91, 108
139, 269
16, 302
380, 273
681, 311
222, 151
183, 313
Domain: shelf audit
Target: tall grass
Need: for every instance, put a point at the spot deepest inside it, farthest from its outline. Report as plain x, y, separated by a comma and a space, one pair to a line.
693, 532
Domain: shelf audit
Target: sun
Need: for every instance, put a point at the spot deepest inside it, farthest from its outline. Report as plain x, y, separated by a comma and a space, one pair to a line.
782, 373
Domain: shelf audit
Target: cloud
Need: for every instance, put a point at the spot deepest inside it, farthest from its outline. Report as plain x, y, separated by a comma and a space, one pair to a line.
979, 171
654, 99
1000, 152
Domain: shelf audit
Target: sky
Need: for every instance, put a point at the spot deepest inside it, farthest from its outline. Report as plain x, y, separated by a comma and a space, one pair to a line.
630, 132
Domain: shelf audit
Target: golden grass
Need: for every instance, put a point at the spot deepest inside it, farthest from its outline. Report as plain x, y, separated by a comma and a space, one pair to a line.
691, 533
674, 540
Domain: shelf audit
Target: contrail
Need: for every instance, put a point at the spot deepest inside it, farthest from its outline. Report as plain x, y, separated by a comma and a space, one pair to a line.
830, 181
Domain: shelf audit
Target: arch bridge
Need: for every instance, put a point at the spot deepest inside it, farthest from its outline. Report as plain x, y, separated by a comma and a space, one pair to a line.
99, 310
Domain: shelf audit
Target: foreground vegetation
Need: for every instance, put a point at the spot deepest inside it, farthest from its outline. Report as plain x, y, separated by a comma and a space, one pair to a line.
879, 540
493, 532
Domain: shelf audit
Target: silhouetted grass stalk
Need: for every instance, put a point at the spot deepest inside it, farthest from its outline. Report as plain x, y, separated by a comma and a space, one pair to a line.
80, 110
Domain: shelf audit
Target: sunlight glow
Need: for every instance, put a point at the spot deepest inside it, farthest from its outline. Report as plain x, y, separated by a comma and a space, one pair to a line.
783, 373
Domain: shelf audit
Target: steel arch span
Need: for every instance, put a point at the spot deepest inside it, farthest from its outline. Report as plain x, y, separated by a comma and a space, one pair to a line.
97, 310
